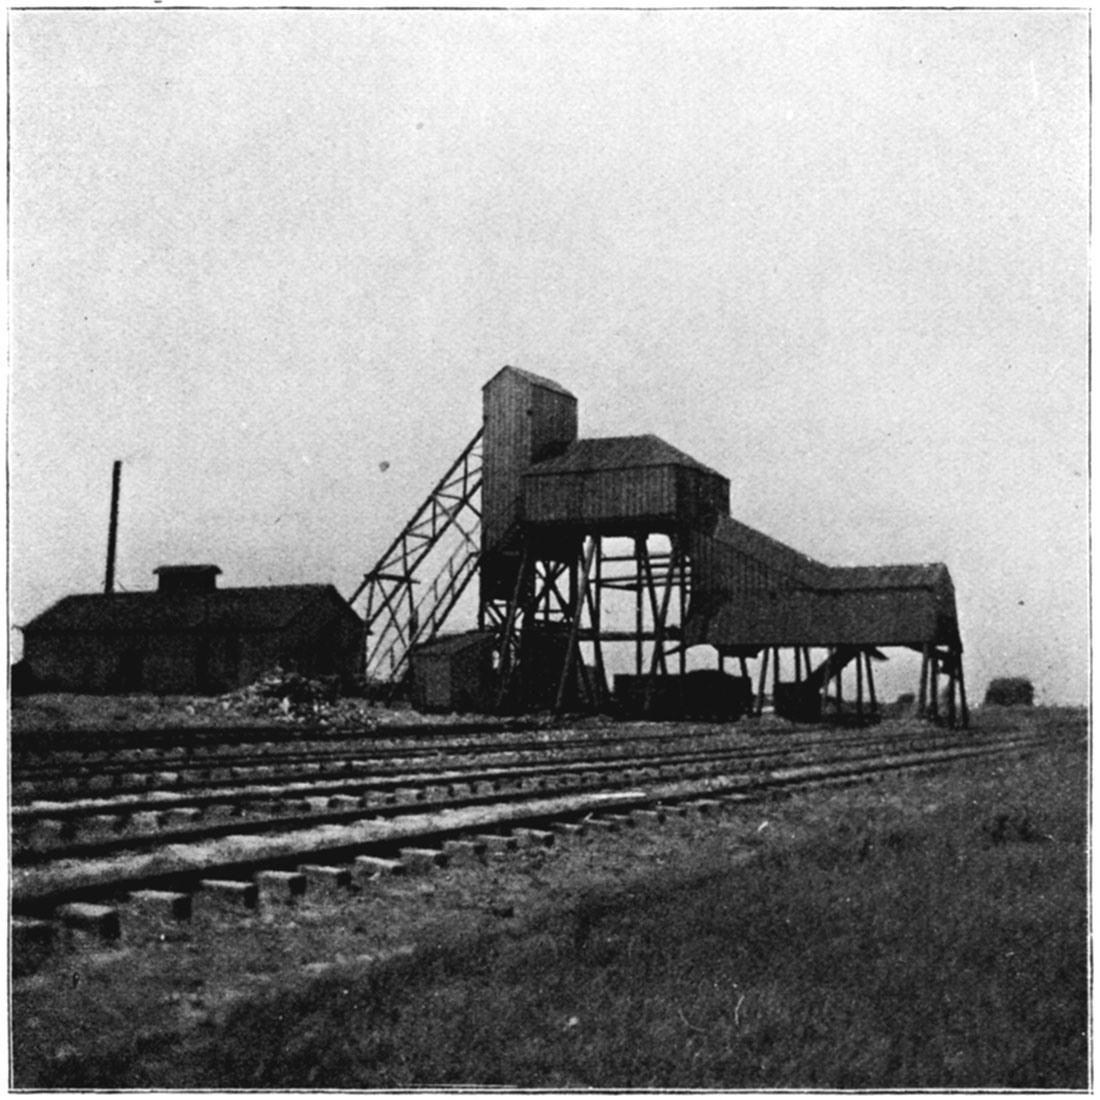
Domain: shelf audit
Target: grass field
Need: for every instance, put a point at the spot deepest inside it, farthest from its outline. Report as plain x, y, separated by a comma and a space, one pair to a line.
931, 932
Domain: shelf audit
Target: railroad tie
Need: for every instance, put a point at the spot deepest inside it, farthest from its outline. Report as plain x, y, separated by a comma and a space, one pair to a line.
160, 905
87, 923
325, 881
46, 833
97, 826
648, 817
707, 807
279, 887
345, 802
495, 844
32, 940
297, 806
534, 838
144, 821
569, 828
227, 894
221, 811
372, 868
179, 816
463, 852
422, 860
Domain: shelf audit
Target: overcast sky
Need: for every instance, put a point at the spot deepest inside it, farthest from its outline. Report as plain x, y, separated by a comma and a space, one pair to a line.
839, 256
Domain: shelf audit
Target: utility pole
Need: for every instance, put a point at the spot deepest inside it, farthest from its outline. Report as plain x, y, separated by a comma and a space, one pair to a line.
112, 531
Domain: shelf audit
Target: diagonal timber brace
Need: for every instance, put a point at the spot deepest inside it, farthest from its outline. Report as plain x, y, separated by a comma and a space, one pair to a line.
396, 619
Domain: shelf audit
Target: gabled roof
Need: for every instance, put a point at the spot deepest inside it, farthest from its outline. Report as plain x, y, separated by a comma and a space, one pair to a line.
932, 575
534, 379
623, 452
265, 608
731, 534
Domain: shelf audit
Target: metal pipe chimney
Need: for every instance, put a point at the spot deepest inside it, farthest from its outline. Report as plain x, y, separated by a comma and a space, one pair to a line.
112, 531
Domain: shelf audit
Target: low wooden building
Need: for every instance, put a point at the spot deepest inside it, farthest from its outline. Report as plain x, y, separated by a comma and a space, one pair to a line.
454, 673
189, 636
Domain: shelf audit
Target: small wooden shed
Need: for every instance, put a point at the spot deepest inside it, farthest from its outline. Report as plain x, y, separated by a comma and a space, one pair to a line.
454, 673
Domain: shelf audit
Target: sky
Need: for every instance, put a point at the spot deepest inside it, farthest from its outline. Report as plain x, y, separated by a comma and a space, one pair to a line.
268, 259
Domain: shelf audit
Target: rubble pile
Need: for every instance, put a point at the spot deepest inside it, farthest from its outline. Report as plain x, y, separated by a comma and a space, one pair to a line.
289, 697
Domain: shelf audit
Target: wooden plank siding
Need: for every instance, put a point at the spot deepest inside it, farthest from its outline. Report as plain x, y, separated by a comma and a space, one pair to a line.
525, 419
580, 491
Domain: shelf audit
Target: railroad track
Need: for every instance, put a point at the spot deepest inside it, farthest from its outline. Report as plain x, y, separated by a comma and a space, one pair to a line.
67, 775
107, 885
201, 809
105, 775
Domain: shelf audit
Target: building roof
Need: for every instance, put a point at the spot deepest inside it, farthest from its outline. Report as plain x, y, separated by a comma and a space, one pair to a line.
788, 598
622, 452
732, 535
534, 379
880, 614
932, 575
264, 608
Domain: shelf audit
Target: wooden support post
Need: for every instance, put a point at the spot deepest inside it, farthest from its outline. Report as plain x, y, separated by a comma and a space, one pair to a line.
678, 550
825, 680
639, 621
952, 675
659, 624
859, 685
574, 629
797, 665
507, 637
595, 611
934, 683
745, 670
763, 680
871, 683
922, 699
962, 691
659, 612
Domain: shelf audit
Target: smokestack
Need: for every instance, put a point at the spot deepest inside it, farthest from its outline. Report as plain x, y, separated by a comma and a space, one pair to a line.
112, 531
